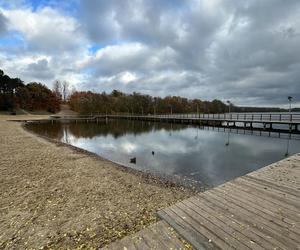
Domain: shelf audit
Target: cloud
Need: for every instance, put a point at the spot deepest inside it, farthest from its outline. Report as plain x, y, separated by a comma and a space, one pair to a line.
198, 48
40, 70
3, 24
46, 30
44, 45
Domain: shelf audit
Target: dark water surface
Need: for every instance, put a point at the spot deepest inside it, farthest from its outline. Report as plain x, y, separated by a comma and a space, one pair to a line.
209, 157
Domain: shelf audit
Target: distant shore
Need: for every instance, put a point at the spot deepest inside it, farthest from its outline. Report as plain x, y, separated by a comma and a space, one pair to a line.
54, 195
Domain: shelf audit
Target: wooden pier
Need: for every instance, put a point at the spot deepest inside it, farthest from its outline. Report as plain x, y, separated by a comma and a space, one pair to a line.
269, 122
260, 210
263, 121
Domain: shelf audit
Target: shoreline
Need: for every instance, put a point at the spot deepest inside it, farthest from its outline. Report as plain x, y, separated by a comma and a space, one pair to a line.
56, 195
147, 176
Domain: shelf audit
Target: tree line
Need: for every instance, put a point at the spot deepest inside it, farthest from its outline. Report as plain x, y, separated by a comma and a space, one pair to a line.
14, 95
136, 103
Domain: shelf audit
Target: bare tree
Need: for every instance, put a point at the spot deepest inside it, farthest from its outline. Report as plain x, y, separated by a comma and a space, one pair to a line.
72, 90
57, 89
65, 90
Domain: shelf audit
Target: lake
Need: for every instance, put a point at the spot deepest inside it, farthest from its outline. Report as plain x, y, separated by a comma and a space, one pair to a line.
201, 155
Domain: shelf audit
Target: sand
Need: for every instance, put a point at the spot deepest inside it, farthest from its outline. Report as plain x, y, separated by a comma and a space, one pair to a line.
53, 196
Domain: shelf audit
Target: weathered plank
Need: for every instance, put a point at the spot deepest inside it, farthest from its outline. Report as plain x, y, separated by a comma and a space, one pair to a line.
157, 236
262, 207
254, 236
271, 184
196, 239
288, 183
255, 217
260, 210
238, 239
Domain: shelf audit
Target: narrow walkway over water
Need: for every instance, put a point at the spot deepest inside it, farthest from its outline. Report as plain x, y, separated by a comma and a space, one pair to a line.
280, 122
260, 210
264, 121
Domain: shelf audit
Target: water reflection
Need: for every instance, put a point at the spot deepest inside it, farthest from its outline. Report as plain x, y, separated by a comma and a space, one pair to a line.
206, 156
228, 135
287, 146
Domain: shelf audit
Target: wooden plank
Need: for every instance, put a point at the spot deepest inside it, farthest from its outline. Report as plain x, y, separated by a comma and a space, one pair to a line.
293, 202
216, 219
189, 222
263, 206
264, 214
253, 234
167, 232
157, 240
194, 237
212, 225
152, 237
247, 222
286, 209
282, 170
241, 212
281, 180
282, 188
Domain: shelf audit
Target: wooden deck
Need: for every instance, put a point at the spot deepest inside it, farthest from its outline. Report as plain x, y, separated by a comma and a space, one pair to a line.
260, 210
157, 236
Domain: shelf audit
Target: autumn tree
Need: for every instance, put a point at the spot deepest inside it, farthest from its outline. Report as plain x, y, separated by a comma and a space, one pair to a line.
118, 102
36, 96
8, 88
15, 94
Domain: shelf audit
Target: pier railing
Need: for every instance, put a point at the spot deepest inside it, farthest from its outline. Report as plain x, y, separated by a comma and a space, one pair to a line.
293, 117
239, 116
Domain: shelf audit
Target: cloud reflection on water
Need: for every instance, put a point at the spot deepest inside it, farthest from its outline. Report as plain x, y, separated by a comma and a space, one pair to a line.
206, 156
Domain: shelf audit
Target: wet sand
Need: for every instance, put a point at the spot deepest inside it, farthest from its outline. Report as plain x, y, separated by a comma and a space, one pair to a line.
54, 196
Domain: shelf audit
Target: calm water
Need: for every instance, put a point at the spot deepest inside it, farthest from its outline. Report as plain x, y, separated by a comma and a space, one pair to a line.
209, 157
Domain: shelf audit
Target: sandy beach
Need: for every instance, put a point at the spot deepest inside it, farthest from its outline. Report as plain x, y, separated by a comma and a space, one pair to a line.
53, 196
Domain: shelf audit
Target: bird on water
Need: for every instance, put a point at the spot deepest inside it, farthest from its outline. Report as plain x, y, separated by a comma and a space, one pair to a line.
133, 160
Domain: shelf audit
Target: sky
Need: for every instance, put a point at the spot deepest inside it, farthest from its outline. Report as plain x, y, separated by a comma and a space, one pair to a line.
246, 51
